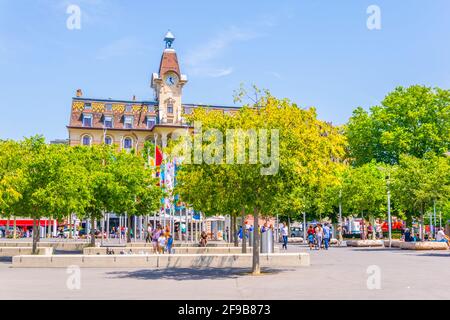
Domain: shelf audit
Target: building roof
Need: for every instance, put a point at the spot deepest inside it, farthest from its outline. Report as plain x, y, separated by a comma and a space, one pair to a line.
116, 101
169, 62
154, 103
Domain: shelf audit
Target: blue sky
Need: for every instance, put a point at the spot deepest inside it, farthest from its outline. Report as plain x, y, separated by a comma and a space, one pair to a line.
315, 52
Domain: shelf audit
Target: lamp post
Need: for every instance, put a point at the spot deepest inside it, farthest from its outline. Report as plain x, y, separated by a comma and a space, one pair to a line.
389, 209
340, 216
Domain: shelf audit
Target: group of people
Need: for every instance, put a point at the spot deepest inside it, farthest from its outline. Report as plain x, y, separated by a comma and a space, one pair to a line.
319, 236
409, 236
161, 239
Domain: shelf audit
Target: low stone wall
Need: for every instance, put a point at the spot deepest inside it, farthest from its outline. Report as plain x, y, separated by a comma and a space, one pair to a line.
364, 243
179, 250
15, 251
276, 260
427, 245
57, 245
394, 243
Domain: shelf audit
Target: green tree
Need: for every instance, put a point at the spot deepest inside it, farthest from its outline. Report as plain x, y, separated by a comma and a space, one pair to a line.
364, 191
300, 146
411, 121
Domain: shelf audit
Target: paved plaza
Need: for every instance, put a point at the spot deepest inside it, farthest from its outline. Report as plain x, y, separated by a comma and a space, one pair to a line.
340, 273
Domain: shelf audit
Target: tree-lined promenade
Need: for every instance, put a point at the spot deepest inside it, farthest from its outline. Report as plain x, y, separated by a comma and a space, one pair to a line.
397, 147
39, 180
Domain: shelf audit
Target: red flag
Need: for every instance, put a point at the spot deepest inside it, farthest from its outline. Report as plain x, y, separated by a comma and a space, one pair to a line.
158, 156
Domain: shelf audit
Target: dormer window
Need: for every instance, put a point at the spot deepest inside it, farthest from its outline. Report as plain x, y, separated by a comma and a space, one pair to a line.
128, 108
170, 108
88, 106
108, 122
151, 122
128, 122
108, 107
87, 120
151, 109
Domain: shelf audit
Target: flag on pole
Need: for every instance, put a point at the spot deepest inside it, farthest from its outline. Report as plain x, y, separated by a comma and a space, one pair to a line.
158, 156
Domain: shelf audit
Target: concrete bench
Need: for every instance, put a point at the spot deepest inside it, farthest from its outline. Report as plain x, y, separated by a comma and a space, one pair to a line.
162, 261
57, 245
178, 250
427, 245
15, 251
394, 243
364, 243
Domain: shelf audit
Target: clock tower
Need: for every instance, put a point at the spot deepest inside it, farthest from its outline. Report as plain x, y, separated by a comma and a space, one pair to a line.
168, 85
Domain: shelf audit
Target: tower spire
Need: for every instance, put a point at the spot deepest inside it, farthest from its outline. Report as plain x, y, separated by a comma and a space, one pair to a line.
169, 39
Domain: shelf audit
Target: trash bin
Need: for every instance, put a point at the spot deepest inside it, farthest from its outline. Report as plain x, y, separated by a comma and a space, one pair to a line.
267, 241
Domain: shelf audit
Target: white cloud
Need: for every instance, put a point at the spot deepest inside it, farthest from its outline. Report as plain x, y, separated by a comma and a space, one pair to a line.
201, 60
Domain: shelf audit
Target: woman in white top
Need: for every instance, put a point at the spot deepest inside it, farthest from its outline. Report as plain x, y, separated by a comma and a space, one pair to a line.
319, 236
284, 234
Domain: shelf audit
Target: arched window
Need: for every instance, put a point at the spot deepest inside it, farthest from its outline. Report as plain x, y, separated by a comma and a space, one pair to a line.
108, 140
86, 140
127, 143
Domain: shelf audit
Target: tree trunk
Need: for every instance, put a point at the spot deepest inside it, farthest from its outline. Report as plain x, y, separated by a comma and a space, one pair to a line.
422, 218
36, 238
128, 228
256, 268
235, 230
363, 234
15, 228
69, 220
92, 232
244, 237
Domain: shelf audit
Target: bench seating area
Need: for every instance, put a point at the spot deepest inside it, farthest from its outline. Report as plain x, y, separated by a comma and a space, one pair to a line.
161, 261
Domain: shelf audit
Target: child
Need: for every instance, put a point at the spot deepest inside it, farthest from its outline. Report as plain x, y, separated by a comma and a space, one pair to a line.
161, 242
169, 244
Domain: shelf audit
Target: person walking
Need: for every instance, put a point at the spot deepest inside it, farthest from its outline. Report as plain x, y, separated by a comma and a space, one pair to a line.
161, 243
169, 244
311, 235
284, 234
326, 236
155, 237
148, 238
319, 236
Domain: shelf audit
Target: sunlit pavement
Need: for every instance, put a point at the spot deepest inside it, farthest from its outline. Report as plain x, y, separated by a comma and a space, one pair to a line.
339, 273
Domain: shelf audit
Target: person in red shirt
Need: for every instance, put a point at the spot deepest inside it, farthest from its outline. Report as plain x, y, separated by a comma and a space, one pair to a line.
311, 235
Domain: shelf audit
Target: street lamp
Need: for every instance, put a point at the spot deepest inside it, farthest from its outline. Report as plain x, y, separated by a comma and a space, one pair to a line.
388, 182
389, 209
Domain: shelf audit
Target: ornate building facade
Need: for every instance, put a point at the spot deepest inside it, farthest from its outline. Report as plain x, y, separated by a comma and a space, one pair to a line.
129, 124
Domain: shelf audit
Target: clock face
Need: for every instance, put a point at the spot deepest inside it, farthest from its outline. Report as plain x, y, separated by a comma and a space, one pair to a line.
171, 79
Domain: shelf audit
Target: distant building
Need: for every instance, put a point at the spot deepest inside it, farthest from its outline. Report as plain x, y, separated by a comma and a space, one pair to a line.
130, 123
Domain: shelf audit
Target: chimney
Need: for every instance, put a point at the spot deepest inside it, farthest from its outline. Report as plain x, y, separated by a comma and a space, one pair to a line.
79, 93
134, 97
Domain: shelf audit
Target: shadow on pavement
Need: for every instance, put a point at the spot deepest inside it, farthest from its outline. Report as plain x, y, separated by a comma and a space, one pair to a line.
443, 254
189, 274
